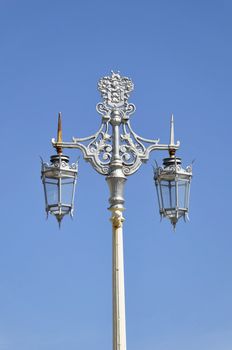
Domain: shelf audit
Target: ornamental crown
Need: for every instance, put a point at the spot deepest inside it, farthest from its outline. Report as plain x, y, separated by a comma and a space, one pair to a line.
115, 90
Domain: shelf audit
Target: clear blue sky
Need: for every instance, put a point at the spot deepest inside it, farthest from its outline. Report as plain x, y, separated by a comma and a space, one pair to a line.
55, 286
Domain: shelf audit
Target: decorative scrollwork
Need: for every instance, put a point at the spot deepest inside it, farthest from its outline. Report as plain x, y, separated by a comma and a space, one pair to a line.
99, 149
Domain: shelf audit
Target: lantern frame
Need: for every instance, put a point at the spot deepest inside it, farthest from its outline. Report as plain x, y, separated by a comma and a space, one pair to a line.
57, 173
169, 178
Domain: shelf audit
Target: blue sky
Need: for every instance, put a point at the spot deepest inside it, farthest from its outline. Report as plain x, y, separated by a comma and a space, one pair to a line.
55, 289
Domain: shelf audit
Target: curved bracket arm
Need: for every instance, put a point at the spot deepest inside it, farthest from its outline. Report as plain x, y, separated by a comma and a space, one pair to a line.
96, 148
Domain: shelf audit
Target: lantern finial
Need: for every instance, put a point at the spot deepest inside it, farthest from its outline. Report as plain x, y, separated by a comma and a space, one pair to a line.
172, 150
59, 134
59, 219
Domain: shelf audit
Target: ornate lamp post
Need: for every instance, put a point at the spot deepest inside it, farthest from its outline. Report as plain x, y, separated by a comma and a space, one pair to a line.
116, 152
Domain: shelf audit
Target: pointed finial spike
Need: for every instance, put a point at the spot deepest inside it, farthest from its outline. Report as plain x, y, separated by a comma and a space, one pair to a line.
174, 222
59, 131
172, 150
59, 219
59, 134
172, 137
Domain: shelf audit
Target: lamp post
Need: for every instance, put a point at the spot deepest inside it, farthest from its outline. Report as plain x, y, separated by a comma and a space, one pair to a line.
116, 152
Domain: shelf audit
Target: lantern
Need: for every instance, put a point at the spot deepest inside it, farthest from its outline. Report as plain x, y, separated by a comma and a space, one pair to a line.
59, 180
173, 188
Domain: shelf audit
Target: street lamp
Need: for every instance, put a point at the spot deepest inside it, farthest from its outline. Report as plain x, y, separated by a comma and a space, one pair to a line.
116, 152
59, 180
173, 185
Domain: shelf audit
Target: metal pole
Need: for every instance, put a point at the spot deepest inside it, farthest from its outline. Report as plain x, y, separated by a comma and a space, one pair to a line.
119, 319
116, 181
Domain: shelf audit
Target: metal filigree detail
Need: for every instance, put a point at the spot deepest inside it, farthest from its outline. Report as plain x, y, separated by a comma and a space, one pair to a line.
172, 169
59, 165
97, 149
100, 149
134, 149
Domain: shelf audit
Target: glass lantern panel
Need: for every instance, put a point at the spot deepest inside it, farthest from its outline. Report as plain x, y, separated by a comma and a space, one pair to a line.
157, 183
182, 194
168, 189
52, 190
187, 193
67, 190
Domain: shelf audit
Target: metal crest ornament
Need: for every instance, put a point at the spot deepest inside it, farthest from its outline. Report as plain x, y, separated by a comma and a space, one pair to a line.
115, 90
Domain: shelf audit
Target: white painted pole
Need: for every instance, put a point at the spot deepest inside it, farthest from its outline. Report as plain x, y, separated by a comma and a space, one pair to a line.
119, 319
